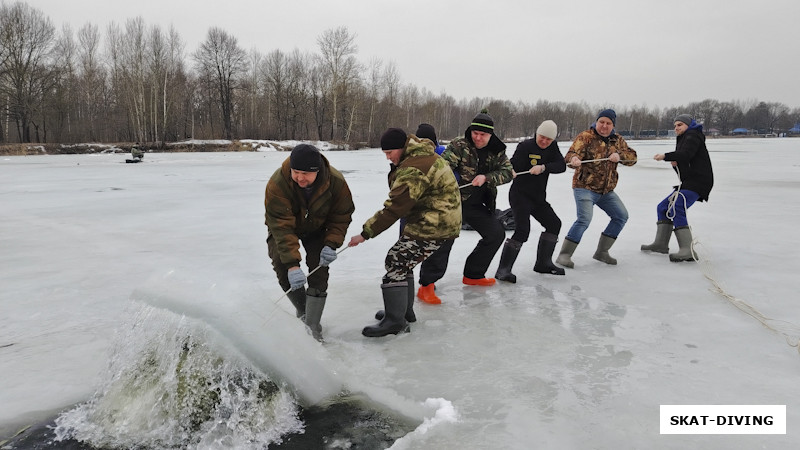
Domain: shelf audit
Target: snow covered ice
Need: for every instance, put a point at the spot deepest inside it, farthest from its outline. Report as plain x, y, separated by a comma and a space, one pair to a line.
93, 248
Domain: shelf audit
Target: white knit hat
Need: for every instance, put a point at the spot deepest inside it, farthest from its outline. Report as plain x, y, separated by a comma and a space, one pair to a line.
548, 129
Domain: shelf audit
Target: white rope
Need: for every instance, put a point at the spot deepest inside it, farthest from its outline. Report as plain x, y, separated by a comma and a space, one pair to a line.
309, 274
789, 331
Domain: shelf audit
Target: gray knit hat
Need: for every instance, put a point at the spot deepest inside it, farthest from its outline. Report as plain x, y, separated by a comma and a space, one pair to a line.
685, 118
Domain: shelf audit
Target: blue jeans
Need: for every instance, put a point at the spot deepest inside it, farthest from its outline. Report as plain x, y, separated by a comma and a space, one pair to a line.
584, 203
677, 213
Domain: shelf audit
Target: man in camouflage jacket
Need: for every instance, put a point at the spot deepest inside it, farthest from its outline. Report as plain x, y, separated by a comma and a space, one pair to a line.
480, 159
307, 201
595, 154
423, 190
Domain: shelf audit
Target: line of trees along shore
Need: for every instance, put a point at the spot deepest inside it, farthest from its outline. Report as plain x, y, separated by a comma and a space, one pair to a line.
137, 83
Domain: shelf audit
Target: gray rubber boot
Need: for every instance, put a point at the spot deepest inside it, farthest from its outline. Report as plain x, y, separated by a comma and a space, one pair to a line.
315, 304
601, 254
661, 242
685, 252
395, 303
410, 316
507, 259
565, 256
298, 299
544, 255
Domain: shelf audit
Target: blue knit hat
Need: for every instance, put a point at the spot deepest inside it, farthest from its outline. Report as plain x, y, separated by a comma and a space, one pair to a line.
610, 113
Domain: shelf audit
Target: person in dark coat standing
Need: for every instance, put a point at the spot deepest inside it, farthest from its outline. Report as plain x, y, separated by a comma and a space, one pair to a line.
534, 160
691, 162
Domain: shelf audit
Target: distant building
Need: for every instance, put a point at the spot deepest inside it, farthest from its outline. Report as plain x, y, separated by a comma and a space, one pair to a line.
740, 132
794, 130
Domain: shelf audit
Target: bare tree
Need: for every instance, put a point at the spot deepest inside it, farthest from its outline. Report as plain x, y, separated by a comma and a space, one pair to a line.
220, 62
27, 70
337, 47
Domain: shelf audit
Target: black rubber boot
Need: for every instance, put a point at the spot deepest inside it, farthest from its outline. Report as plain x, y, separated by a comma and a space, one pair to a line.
507, 259
544, 255
395, 304
685, 252
410, 316
298, 299
661, 242
315, 304
603, 245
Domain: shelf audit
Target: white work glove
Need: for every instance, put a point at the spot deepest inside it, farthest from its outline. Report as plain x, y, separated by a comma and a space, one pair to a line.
297, 279
327, 256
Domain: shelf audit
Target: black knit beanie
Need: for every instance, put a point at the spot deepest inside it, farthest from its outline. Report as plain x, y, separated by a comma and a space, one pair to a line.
393, 139
426, 131
482, 122
305, 158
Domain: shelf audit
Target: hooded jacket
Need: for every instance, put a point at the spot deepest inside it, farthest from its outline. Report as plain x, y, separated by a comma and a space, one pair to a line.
694, 164
290, 217
600, 176
423, 190
464, 159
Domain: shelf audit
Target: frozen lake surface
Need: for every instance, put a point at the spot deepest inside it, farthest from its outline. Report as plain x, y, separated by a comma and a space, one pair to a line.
113, 271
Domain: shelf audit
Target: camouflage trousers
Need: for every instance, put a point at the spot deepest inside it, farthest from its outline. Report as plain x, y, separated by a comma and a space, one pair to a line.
404, 255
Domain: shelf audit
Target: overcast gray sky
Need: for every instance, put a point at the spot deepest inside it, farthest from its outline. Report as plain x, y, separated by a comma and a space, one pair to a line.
605, 52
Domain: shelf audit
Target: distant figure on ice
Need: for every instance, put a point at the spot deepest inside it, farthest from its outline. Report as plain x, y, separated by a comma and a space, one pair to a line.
424, 191
136, 152
534, 160
307, 201
479, 160
693, 165
594, 155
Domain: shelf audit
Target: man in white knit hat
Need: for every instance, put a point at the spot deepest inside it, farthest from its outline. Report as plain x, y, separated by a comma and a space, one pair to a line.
534, 160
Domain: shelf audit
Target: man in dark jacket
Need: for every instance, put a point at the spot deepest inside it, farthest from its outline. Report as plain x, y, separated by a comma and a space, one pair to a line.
307, 201
479, 160
693, 165
534, 160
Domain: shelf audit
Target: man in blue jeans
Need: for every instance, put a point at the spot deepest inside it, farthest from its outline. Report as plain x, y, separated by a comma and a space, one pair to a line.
594, 155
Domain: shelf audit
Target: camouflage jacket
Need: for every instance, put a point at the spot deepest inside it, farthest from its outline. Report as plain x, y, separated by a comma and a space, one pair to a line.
600, 176
423, 190
462, 156
289, 217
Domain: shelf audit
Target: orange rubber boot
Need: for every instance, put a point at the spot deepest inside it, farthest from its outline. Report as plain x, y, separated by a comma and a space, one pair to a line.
427, 295
478, 281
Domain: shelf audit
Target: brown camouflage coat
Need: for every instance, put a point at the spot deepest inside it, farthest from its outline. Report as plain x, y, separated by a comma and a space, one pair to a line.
289, 217
423, 189
601, 176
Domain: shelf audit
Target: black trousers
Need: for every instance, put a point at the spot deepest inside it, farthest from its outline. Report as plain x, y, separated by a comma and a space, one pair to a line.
313, 246
492, 234
523, 207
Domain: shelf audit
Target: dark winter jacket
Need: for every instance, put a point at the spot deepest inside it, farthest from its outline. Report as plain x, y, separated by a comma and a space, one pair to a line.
527, 155
694, 164
290, 217
424, 191
465, 161
600, 176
